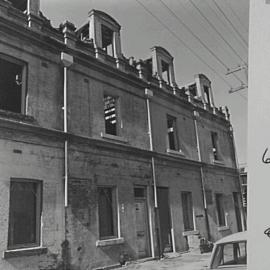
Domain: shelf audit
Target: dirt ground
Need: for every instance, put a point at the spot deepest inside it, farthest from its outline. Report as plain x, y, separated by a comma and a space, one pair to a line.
175, 261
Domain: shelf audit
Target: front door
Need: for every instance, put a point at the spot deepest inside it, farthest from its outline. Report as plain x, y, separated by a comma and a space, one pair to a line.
141, 216
164, 219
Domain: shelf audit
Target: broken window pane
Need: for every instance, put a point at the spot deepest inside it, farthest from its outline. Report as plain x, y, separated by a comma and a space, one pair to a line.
24, 214
107, 212
110, 115
10, 86
172, 136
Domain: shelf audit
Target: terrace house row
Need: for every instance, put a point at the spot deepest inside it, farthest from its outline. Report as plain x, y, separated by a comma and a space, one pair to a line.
104, 158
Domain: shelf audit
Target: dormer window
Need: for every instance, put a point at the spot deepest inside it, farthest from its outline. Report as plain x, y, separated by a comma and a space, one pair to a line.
192, 89
206, 94
165, 72
107, 40
19, 4
162, 66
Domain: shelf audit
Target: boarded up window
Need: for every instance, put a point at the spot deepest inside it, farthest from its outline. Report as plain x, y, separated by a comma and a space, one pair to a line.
107, 212
24, 214
187, 208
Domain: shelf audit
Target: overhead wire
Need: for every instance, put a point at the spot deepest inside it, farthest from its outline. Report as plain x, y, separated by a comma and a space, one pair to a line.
236, 16
183, 42
198, 39
216, 30
230, 23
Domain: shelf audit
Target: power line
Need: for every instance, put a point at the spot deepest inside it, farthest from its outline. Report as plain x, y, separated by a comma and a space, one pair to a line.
185, 44
229, 21
198, 39
216, 30
236, 16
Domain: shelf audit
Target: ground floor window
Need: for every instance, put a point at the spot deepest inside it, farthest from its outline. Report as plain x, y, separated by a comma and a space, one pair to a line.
24, 213
187, 208
220, 209
107, 212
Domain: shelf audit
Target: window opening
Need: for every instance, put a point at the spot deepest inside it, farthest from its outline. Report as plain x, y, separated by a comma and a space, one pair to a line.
107, 40
171, 130
206, 94
110, 115
214, 138
139, 192
220, 209
19, 4
165, 72
193, 89
11, 83
187, 208
107, 212
24, 214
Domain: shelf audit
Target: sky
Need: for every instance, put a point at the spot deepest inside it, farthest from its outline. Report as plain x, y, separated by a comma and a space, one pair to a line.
203, 36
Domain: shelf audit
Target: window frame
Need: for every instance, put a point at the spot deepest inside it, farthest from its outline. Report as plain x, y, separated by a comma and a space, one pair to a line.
115, 213
24, 67
220, 209
38, 219
215, 146
117, 115
174, 131
189, 210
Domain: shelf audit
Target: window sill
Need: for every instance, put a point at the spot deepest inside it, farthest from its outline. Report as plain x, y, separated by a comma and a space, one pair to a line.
114, 137
218, 162
223, 228
24, 252
110, 242
177, 153
186, 233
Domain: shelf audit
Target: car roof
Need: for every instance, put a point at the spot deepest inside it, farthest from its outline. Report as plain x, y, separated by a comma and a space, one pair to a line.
235, 237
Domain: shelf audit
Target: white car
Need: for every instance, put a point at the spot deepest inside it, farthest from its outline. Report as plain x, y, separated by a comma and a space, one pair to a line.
230, 252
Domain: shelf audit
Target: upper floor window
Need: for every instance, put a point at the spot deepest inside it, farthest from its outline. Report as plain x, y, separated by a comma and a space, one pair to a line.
206, 94
110, 115
214, 138
172, 133
12, 85
107, 40
24, 213
165, 72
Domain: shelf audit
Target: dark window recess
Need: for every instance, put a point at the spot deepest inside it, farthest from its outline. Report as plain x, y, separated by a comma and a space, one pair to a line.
84, 33
139, 192
24, 214
10, 86
172, 135
107, 40
110, 115
165, 72
220, 209
206, 94
193, 89
187, 208
106, 212
19, 4
208, 195
214, 138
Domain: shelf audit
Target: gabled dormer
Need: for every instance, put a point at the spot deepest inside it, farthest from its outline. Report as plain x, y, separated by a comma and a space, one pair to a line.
104, 32
204, 90
162, 66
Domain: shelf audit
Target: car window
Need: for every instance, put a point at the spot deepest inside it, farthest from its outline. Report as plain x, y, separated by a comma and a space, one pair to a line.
230, 254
